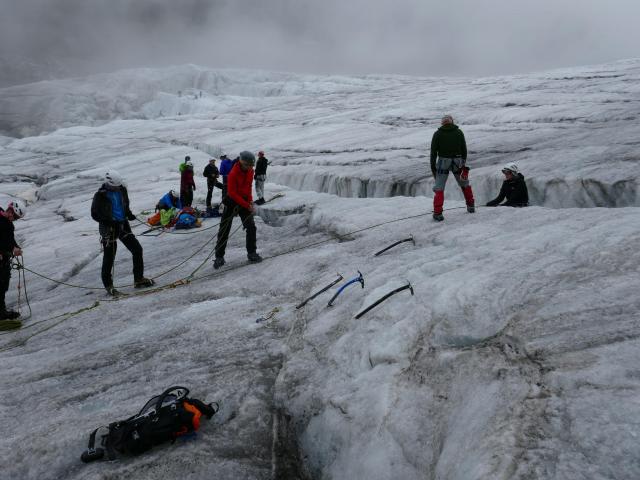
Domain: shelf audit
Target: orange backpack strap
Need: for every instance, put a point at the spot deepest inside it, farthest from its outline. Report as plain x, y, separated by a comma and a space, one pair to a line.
195, 420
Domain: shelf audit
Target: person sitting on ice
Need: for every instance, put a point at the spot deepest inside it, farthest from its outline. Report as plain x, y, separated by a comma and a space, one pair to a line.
168, 201
514, 189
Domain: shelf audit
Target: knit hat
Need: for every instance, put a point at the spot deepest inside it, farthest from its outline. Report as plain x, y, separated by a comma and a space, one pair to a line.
248, 157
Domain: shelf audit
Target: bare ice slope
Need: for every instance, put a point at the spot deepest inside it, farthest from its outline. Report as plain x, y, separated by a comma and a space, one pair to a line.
516, 358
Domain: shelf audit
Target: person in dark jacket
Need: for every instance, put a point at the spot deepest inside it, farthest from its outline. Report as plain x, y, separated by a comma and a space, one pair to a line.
514, 189
239, 201
211, 173
169, 200
449, 154
260, 177
187, 184
110, 208
8, 249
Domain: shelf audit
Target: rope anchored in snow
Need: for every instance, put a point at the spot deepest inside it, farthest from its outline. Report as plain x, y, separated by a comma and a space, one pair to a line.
379, 301
304, 302
358, 279
410, 239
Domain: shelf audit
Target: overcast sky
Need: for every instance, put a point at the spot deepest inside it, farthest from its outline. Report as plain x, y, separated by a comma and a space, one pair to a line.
418, 37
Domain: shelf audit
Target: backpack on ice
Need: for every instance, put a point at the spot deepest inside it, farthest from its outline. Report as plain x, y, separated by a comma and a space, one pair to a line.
163, 418
187, 218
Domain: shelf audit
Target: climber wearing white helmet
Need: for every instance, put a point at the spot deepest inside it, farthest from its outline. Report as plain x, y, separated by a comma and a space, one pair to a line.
514, 189
8, 249
110, 208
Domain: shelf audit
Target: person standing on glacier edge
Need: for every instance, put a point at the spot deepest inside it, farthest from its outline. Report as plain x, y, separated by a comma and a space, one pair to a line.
449, 154
261, 177
238, 201
110, 208
8, 249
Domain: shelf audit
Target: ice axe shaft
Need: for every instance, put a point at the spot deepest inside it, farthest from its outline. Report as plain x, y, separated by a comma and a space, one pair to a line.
319, 292
357, 279
380, 300
409, 239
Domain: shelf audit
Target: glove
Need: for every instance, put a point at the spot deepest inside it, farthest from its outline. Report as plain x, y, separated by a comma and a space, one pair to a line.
131, 216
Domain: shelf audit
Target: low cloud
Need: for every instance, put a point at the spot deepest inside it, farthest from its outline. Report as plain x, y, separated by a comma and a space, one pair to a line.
418, 37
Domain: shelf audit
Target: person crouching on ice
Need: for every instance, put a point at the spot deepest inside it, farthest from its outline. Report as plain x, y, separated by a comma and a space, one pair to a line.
110, 208
168, 201
8, 249
449, 154
238, 201
514, 189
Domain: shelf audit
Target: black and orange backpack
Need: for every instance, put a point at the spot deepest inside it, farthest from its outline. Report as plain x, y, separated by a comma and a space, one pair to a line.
165, 417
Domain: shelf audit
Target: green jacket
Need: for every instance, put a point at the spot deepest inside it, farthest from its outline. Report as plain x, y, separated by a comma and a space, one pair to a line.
448, 141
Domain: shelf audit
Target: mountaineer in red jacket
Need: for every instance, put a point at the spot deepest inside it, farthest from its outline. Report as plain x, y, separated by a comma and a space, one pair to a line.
187, 183
238, 201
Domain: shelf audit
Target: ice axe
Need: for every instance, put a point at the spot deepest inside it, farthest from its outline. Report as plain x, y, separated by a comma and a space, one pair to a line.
409, 239
358, 279
382, 299
304, 302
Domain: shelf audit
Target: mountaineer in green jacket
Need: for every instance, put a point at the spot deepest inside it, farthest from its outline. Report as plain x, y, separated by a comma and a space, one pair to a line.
449, 154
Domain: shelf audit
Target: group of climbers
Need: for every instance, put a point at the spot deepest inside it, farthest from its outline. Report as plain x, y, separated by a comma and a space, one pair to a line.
110, 207
449, 154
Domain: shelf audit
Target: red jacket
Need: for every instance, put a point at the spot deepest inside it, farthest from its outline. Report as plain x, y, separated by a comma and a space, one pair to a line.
239, 185
186, 180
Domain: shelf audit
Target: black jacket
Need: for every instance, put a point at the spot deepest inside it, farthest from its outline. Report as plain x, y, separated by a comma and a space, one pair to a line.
7, 238
101, 210
515, 191
211, 172
261, 166
448, 141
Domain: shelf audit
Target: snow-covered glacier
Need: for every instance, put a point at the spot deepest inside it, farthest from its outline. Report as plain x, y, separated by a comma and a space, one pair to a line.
516, 357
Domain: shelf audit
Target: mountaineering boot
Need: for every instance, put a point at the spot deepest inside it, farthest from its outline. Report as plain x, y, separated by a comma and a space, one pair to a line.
218, 262
260, 201
471, 209
112, 291
143, 283
8, 314
438, 217
254, 257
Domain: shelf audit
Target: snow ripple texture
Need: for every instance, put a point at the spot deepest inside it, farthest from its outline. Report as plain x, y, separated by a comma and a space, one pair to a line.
516, 358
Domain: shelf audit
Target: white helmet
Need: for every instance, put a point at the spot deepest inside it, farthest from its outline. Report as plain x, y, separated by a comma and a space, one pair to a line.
510, 167
113, 179
173, 193
17, 208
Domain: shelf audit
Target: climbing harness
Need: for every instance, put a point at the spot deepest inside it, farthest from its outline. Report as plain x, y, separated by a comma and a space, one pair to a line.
382, 299
409, 239
304, 302
358, 279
